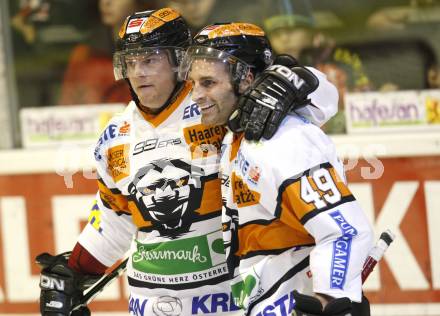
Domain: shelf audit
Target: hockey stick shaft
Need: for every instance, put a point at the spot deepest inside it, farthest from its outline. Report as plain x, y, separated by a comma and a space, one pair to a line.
376, 253
102, 284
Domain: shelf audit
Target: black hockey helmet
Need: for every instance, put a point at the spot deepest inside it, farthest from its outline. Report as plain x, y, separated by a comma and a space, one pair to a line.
243, 46
151, 32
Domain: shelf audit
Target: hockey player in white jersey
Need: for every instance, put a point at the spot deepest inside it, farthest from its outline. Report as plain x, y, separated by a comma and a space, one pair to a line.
155, 185
158, 183
295, 236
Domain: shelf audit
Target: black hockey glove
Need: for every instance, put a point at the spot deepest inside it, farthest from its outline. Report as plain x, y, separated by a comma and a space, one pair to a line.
306, 305
275, 92
61, 287
362, 308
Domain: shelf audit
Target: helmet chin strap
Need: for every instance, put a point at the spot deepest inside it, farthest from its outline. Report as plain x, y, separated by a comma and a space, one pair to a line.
134, 96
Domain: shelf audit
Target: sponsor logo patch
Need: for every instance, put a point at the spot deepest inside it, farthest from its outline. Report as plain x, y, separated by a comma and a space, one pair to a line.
136, 306
118, 162
282, 306
124, 130
191, 111
243, 196
254, 174
134, 25
167, 306
108, 134
341, 251
204, 140
213, 303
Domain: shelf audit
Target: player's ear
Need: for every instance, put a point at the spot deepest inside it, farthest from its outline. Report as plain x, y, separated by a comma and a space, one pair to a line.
246, 82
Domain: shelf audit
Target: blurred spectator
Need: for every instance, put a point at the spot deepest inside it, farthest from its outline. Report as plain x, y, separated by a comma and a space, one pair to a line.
290, 26
293, 29
89, 75
344, 68
30, 12
433, 76
197, 13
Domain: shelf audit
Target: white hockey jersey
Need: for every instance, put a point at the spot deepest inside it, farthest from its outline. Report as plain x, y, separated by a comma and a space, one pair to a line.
159, 184
289, 220
159, 187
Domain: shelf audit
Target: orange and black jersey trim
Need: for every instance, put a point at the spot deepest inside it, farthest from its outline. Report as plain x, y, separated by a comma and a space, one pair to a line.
300, 198
294, 208
210, 203
269, 237
113, 198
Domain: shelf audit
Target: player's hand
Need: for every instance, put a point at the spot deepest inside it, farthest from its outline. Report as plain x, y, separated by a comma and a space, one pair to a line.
61, 287
276, 91
306, 305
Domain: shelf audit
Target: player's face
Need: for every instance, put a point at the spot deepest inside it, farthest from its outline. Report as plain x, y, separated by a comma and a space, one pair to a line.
212, 90
152, 78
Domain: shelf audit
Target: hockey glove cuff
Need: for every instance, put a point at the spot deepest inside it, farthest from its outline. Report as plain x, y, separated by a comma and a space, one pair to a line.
61, 287
306, 305
276, 91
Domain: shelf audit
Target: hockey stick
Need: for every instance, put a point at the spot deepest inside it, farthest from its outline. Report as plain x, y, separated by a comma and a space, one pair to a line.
101, 284
375, 255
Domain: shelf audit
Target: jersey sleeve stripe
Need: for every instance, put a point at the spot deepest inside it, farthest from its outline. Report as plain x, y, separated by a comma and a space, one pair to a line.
315, 212
271, 251
113, 201
275, 235
263, 222
113, 190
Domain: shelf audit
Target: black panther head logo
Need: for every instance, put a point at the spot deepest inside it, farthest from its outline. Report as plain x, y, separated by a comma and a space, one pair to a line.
167, 191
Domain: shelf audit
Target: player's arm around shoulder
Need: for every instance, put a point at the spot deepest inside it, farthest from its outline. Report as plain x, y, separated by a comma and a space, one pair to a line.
285, 87
323, 101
